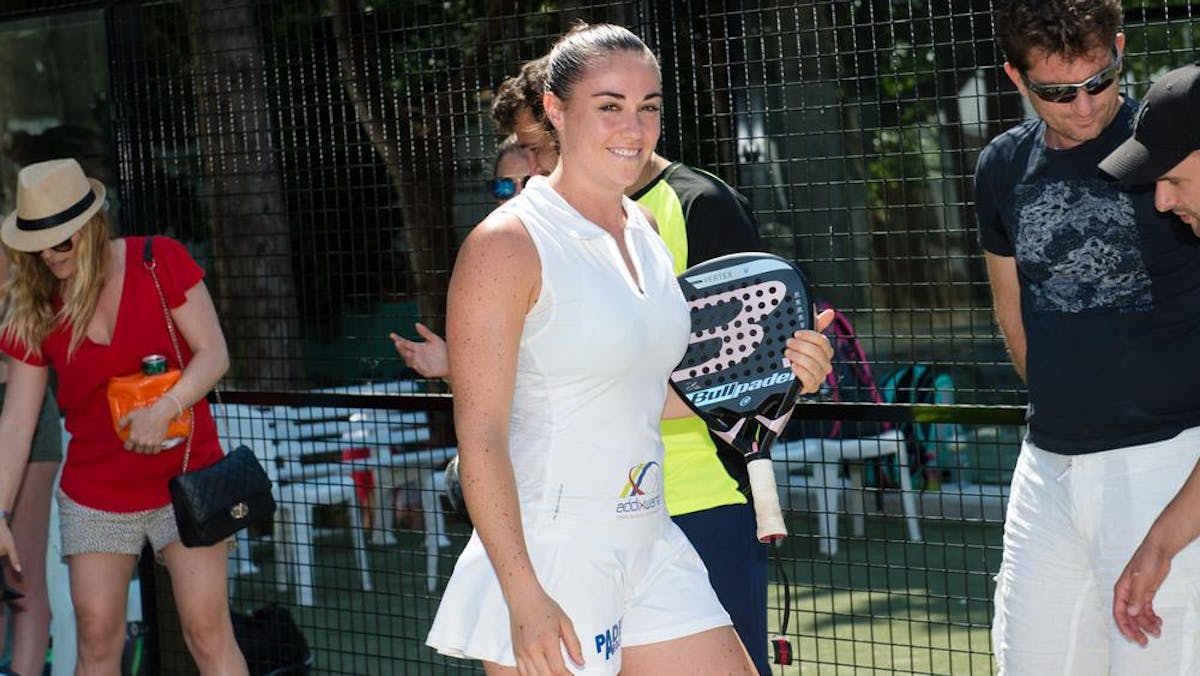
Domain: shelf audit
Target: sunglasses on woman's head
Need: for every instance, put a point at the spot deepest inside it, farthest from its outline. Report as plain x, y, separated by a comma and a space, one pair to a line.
1066, 93
504, 187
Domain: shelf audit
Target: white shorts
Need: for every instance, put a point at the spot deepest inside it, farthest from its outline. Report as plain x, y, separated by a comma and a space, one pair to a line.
1073, 522
615, 597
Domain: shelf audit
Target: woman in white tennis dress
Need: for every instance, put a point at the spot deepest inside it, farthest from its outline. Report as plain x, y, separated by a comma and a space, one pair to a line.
564, 322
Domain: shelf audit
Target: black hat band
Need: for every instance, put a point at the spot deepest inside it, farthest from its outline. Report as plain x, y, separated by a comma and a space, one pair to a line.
59, 218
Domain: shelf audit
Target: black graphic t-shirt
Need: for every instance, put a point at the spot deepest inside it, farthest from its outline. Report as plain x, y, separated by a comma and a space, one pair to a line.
1110, 291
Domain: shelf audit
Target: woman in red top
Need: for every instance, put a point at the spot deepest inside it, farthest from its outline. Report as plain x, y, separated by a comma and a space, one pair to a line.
86, 305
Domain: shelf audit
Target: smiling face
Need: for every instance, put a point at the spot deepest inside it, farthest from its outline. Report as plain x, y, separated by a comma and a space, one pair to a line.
610, 124
1178, 191
1082, 119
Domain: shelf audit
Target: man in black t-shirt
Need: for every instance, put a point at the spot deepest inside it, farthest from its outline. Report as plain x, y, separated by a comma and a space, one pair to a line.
1098, 297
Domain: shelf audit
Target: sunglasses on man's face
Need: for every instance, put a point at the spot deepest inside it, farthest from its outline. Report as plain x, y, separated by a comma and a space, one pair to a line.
504, 187
1066, 93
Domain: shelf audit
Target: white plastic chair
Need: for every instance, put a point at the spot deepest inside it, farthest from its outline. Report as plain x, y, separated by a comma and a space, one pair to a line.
397, 458
825, 456
300, 488
396, 461
296, 504
394, 468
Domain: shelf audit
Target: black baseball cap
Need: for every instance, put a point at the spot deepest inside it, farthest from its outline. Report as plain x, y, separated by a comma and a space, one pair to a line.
1167, 129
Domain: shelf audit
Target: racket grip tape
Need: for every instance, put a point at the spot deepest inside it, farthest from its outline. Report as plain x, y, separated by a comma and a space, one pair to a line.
767, 512
782, 648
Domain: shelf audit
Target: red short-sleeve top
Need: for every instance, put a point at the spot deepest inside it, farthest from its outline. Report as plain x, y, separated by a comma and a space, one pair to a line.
99, 472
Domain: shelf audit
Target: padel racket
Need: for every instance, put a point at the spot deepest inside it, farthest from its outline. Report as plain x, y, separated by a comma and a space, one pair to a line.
744, 307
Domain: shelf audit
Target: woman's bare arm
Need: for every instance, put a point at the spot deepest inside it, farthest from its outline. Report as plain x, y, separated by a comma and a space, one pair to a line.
199, 326
18, 419
496, 280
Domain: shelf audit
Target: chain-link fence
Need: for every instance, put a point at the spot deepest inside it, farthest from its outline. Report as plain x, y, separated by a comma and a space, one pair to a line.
324, 159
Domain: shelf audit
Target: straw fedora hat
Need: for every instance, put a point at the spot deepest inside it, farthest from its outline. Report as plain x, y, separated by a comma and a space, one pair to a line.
54, 200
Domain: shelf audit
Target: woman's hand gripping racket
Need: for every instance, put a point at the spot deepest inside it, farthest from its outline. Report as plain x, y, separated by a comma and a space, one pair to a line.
744, 308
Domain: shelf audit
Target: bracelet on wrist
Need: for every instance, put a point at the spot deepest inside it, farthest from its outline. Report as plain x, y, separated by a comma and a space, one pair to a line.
178, 406
3, 514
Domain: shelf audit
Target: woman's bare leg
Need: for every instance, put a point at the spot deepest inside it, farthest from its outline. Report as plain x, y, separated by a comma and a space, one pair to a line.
715, 652
200, 585
100, 592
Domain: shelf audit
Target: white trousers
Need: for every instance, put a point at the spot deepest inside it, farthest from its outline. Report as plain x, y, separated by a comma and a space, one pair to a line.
1072, 524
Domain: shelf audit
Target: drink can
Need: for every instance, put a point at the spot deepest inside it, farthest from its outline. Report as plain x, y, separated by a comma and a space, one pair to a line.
154, 364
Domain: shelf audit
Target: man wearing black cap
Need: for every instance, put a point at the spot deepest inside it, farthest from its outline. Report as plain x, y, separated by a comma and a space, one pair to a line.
1097, 294
1165, 146
1165, 150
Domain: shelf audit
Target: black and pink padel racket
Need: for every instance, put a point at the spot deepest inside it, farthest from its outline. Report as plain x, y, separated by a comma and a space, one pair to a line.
744, 308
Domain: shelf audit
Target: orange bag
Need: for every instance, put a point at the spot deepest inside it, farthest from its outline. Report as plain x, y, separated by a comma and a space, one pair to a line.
126, 393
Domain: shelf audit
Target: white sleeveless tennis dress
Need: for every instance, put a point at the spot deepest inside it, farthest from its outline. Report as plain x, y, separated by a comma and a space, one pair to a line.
587, 452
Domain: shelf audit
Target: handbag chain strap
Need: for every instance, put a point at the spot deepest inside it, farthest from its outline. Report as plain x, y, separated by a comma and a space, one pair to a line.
152, 265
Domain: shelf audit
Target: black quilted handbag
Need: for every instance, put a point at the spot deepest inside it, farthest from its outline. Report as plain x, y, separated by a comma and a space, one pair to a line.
213, 503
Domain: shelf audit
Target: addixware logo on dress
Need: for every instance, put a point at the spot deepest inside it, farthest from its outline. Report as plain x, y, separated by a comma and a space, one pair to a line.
642, 493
